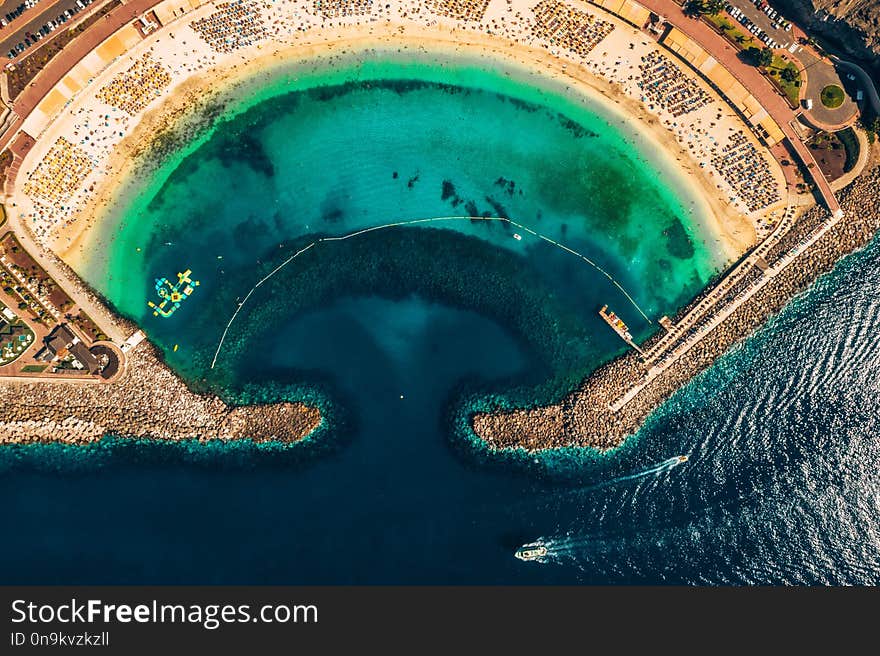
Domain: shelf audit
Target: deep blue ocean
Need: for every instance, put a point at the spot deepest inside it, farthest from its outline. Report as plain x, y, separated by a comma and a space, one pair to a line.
781, 485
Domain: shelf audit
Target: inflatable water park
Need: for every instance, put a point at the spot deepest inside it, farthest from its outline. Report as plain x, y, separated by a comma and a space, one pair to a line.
173, 295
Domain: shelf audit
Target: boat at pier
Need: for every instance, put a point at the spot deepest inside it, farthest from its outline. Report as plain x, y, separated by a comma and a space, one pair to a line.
620, 328
616, 323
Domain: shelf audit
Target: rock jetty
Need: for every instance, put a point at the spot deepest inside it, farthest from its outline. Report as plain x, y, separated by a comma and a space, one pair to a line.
584, 418
148, 400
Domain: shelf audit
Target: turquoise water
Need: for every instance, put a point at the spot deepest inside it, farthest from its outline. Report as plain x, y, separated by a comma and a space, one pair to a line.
398, 327
403, 330
328, 149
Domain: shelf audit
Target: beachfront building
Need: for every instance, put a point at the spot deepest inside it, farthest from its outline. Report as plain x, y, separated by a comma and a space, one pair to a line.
61, 343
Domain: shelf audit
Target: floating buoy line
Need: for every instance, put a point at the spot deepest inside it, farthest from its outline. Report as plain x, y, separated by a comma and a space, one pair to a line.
416, 222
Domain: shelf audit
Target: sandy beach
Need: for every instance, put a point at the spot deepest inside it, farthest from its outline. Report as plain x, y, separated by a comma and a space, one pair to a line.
198, 74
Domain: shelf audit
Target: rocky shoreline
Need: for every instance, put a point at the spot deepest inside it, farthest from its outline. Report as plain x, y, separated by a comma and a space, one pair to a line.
148, 401
584, 418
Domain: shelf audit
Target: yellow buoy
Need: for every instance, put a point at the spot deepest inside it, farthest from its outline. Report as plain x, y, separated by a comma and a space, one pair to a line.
175, 347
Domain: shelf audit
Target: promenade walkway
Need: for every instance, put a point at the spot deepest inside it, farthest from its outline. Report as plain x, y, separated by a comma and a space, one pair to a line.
752, 80
59, 272
20, 143
701, 33
707, 321
72, 53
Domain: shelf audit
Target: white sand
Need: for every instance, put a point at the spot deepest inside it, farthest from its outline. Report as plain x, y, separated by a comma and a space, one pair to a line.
609, 74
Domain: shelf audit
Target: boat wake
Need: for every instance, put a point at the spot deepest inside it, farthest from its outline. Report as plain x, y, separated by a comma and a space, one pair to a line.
545, 550
660, 468
654, 470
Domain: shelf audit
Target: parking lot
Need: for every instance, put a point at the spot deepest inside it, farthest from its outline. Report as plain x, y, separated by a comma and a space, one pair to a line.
19, 34
772, 24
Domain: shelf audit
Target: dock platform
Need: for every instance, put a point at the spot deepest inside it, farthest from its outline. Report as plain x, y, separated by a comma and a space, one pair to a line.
619, 327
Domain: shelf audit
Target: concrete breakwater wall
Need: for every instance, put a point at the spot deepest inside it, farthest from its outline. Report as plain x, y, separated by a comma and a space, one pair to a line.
149, 400
584, 418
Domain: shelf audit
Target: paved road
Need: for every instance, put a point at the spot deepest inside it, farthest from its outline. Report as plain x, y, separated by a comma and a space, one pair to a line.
72, 53
751, 79
867, 83
32, 20
24, 104
821, 73
718, 318
762, 20
50, 263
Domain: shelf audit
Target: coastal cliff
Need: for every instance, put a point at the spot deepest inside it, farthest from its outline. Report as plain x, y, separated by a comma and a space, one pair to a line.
149, 400
585, 419
854, 27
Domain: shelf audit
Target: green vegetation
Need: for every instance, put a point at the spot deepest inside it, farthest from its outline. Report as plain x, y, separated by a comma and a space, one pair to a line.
730, 32
787, 77
710, 7
762, 57
15, 337
851, 143
33, 368
871, 125
85, 323
832, 96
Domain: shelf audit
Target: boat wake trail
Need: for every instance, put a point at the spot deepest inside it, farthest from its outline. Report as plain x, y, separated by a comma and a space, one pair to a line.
545, 550
653, 470
659, 468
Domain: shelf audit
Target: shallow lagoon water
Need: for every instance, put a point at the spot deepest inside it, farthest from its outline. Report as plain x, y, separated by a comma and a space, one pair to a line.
399, 497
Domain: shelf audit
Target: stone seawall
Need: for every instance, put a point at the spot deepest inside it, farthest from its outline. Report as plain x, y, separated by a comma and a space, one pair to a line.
583, 418
149, 400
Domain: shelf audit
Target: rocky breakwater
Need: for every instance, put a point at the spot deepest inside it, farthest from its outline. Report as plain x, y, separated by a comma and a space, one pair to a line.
584, 417
148, 401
